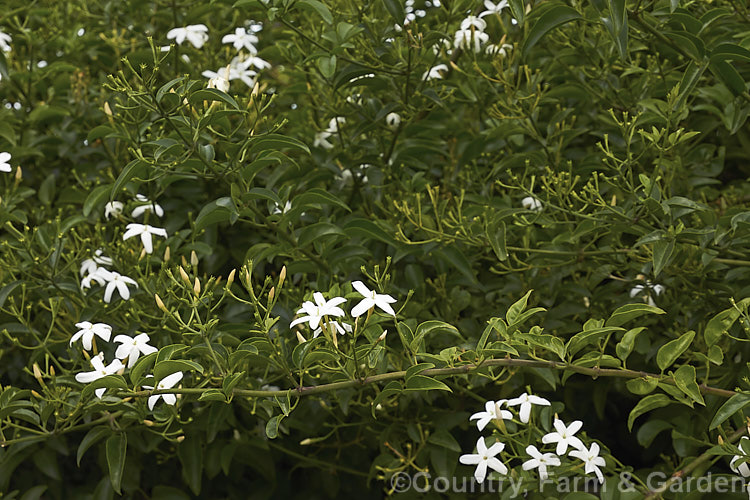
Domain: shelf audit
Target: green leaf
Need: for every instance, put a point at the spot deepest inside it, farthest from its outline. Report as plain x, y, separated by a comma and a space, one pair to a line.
619, 26
97, 196
672, 350
422, 383
642, 386
143, 364
496, 236
444, 439
684, 379
91, 437
213, 395
191, 455
277, 142
392, 388
518, 10
722, 322
7, 290
733, 405
730, 51
170, 366
221, 210
272, 426
627, 312
647, 404
690, 79
728, 75
432, 327
110, 382
396, 9
327, 65
212, 95
117, 445
586, 337
317, 196
551, 19
135, 167
318, 231
319, 7
416, 369
625, 346
662, 253
517, 308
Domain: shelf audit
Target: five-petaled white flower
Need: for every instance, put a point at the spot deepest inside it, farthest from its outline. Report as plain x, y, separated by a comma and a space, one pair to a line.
99, 371
146, 205
5, 40
5, 162
166, 383
526, 400
241, 38
531, 203
144, 231
435, 72
370, 300
744, 468
493, 8
564, 436
593, 461
342, 329
133, 347
197, 34
485, 457
648, 288
491, 412
540, 461
87, 330
475, 22
317, 310
470, 39
113, 208
116, 280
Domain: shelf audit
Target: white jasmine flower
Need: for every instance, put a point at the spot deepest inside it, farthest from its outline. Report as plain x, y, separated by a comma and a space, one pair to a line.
491, 412
5, 162
5, 40
99, 371
564, 436
321, 139
113, 208
493, 8
477, 23
392, 120
420, 13
97, 276
146, 205
435, 73
218, 83
648, 288
118, 281
526, 400
342, 329
498, 50
254, 26
144, 231
133, 347
744, 468
531, 203
334, 124
241, 38
540, 461
250, 61
197, 34
468, 39
166, 383
484, 458
86, 333
446, 45
321, 307
593, 461
278, 210
370, 300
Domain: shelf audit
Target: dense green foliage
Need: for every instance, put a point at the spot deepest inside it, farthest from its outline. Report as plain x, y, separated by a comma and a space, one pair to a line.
555, 195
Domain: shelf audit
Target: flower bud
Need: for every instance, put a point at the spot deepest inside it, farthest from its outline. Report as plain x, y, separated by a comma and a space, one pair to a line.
148, 423
159, 303
180, 439
382, 336
197, 287
166, 255
300, 338
282, 276
193, 258
52, 371
230, 278
305, 442
107, 109
19, 174
271, 293
37, 373
184, 276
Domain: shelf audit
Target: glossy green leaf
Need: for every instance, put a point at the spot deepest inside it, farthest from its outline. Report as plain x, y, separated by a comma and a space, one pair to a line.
551, 19
625, 313
92, 436
422, 383
736, 403
669, 352
117, 445
684, 378
646, 405
315, 6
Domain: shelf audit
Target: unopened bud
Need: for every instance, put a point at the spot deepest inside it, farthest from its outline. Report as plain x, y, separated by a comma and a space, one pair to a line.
36, 394
107, 109
184, 276
19, 174
193, 258
305, 442
271, 293
148, 423
180, 439
721, 441
52, 371
167, 255
301, 339
197, 287
382, 336
282, 276
247, 277
37, 373
159, 303
230, 278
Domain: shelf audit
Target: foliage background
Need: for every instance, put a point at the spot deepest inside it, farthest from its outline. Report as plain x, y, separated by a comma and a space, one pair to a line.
627, 120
